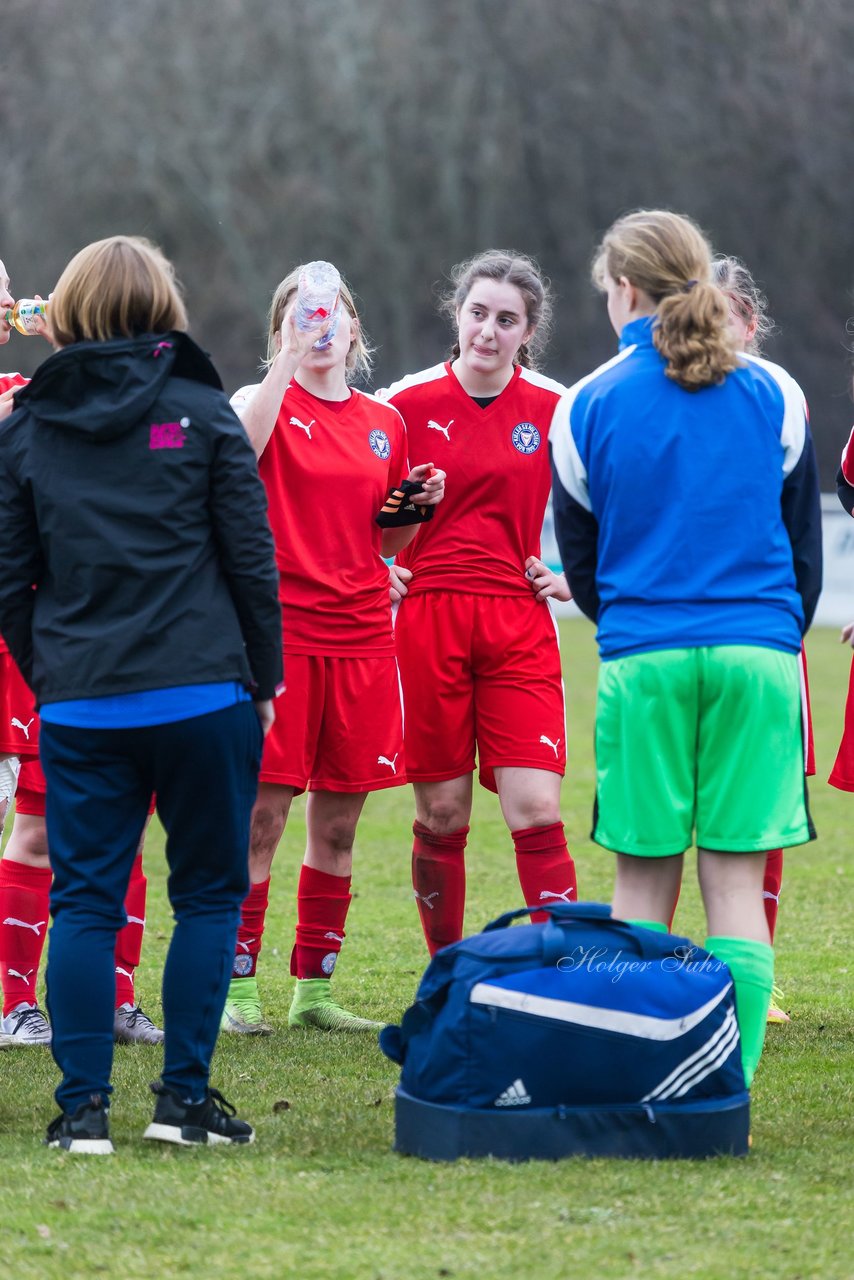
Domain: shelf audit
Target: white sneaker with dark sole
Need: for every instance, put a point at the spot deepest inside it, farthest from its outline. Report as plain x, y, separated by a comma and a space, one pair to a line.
26, 1024
132, 1026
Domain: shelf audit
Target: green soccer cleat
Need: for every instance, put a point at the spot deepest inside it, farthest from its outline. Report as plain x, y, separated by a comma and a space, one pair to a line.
314, 1009
242, 1013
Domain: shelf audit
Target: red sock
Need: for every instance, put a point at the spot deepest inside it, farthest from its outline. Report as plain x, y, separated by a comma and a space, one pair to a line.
771, 887
439, 881
250, 931
129, 939
545, 868
24, 913
322, 905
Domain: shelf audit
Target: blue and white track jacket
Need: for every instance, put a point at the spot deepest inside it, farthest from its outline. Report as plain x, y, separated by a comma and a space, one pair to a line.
687, 518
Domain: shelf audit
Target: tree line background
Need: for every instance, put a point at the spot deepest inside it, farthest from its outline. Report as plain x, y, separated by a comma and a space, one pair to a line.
396, 137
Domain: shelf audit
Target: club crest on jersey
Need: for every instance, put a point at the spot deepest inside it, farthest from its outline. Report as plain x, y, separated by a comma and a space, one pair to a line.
525, 437
380, 445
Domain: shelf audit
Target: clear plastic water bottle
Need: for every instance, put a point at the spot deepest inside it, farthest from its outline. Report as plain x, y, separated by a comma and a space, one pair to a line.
318, 298
25, 315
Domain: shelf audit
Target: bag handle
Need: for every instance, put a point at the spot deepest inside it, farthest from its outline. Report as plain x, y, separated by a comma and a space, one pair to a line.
567, 910
554, 937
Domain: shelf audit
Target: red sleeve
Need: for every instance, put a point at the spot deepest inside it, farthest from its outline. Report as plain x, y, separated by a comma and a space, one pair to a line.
8, 380
848, 460
398, 465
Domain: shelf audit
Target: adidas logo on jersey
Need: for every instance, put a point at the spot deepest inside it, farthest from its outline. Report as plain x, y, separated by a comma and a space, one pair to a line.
516, 1095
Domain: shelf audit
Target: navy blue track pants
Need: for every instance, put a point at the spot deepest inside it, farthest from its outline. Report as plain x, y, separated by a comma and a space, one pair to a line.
99, 784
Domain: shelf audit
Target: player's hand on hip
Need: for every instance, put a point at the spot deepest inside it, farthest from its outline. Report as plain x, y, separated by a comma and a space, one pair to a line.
847, 636
266, 714
398, 582
432, 482
545, 584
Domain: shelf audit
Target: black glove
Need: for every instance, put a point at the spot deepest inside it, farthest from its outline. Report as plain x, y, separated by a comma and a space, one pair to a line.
400, 507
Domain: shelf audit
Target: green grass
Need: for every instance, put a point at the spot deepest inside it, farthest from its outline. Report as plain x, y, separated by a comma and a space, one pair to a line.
322, 1195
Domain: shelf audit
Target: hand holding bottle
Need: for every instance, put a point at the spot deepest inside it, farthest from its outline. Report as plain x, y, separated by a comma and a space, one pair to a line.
318, 300
29, 316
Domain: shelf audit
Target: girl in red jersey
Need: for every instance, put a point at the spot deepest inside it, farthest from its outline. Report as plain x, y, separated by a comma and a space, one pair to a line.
328, 456
750, 321
842, 774
476, 639
25, 875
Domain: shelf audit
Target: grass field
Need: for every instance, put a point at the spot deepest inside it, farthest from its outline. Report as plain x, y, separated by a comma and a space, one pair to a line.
322, 1195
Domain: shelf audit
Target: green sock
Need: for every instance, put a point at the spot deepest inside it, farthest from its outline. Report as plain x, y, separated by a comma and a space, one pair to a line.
752, 967
311, 991
657, 925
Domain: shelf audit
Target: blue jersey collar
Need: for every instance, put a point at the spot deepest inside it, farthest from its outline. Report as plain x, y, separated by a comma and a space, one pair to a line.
638, 333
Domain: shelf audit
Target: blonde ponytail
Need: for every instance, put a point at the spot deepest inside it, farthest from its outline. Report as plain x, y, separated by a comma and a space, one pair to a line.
667, 257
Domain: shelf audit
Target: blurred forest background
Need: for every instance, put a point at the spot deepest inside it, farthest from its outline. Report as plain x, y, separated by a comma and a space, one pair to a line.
396, 137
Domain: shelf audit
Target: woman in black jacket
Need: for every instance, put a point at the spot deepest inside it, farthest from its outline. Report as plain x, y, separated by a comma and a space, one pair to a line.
132, 503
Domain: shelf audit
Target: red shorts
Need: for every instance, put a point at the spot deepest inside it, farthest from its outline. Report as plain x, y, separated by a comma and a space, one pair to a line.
480, 673
32, 790
19, 724
338, 727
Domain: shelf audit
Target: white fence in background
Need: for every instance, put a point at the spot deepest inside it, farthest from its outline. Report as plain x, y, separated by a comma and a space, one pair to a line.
836, 606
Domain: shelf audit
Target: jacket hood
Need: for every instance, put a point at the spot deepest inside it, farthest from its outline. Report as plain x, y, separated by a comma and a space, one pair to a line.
103, 389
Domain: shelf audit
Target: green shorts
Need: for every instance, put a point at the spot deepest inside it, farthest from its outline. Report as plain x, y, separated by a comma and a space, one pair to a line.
700, 745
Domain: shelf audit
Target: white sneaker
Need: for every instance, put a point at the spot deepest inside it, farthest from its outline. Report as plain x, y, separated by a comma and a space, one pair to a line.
132, 1026
26, 1024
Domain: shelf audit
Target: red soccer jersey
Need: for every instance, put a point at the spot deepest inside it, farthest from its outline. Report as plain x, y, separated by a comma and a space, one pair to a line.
497, 460
327, 468
8, 380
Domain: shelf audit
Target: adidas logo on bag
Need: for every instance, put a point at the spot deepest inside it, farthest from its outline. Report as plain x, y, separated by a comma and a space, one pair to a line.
514, 1096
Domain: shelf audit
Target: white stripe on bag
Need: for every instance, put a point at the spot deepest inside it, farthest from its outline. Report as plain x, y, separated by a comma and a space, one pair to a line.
645, 1026
723, 1037
726, 1049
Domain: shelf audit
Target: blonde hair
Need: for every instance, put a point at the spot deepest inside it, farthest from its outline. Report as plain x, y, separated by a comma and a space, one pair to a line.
360, 356
120, 287
737, 284
668, 258
506, 266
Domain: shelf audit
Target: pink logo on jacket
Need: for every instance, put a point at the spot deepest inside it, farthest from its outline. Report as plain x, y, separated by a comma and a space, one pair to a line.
168, 435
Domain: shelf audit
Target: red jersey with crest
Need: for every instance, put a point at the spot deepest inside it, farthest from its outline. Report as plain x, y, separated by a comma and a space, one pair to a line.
499, 478
327, 469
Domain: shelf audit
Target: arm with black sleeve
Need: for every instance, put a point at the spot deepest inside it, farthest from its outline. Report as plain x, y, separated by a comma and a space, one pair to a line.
238, 506
576, 527
801, 508
577, 535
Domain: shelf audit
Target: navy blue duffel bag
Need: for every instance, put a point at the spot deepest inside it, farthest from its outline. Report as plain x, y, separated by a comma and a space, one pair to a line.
581, 1036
